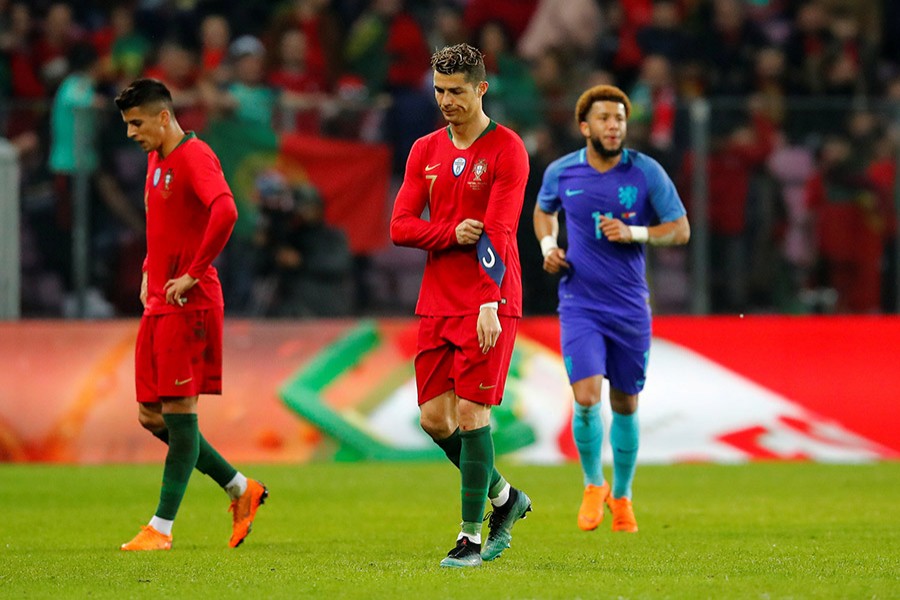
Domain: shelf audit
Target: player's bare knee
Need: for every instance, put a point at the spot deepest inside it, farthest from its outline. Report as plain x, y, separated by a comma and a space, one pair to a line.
437, 426
622, 403
150, 420
587, 399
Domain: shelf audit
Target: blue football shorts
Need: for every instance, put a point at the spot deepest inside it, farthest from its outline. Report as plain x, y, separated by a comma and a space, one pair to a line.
601, 344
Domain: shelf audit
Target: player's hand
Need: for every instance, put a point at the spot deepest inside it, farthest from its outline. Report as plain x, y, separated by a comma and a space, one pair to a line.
615, 230
176, 288
555, 261
468, 232
143, 295
488, 329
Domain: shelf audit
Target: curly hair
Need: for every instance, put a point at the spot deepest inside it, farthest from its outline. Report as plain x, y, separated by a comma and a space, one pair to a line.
600, 93
461, 58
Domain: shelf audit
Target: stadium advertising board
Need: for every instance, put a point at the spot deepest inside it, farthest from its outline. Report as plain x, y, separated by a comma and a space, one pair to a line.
719, 389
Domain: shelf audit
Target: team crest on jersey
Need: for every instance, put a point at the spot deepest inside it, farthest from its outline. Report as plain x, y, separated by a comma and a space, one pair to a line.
459, 165
628, 196
479, 169
156, 175
168, 180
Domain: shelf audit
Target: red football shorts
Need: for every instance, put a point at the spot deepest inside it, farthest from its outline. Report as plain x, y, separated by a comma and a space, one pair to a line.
448, 357
179, 355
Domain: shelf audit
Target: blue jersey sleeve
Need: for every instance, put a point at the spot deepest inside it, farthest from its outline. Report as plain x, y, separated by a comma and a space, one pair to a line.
548, 196
663, 195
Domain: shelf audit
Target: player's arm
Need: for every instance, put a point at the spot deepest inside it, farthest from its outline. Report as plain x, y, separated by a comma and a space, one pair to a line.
673, 233
408, 228
209, 185
673, 228
144, 283
546, 220
501, 221
546, 228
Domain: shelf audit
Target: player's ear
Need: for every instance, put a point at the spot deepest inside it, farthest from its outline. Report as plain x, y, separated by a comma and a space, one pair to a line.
585, 130
481, 89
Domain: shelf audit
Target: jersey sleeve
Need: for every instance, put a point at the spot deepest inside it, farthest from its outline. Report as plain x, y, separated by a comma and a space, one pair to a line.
208, 182
501, 219
663, 195
207, 178
548, 195
408, 228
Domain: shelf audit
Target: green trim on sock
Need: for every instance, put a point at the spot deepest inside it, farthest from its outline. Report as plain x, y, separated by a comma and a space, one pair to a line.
184, 448
451, 446
476, 462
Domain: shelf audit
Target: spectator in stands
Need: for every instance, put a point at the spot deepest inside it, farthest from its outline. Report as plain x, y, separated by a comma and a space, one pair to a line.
302, 92
733, 162
806, 47
728, 47
51, 50
305, 265
573, 25
324, 37
248, 98
514, 14
387, 48
176, 67
123, 49
851, 227
653, 100
449, 28
514, 99
215, 36
665, 34
74, 155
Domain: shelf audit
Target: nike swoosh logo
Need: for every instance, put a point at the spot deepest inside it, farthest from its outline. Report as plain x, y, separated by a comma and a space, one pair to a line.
182, 382
432, 167
570, 193
481, 386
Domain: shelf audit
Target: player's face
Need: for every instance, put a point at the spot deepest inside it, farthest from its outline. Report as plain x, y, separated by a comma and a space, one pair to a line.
146, 126
458, 99
605, 126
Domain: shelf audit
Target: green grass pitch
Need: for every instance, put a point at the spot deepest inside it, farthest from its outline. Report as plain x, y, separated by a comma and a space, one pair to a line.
771, 530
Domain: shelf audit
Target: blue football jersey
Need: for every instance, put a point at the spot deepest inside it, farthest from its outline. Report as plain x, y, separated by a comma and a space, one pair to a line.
606, 276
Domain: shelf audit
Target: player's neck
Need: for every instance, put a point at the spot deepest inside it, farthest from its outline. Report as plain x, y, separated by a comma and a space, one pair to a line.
465, 134
174, 136
600, 162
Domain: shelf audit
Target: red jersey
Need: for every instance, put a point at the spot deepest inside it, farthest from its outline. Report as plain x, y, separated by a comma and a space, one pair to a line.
486, 182
179, 191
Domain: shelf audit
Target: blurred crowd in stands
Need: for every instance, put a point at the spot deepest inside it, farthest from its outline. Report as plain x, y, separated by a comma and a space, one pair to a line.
804, 131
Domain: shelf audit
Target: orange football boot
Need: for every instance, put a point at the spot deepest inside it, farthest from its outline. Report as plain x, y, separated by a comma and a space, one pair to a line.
149, 539
623, 514
590, 515
243, 511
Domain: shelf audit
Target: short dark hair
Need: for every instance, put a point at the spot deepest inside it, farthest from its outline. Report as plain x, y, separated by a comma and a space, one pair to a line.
600, 93
461, 58
142, 92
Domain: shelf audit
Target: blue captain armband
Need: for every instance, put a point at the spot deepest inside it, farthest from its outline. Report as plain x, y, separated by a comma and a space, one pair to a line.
489, 260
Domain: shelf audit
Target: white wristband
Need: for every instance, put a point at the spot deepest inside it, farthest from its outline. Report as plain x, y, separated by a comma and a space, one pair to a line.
639, 234
548, 243
494, 305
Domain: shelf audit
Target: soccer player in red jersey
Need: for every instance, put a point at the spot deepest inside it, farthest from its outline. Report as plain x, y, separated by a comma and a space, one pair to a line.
471, 176
178, 355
